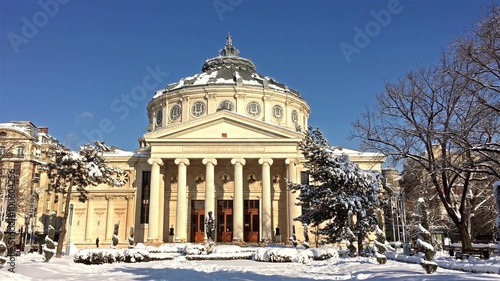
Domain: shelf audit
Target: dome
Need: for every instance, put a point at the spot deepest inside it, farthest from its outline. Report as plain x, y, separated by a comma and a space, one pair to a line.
229, 69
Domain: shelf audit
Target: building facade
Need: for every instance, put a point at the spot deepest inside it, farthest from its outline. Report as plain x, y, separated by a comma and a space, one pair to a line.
222, 142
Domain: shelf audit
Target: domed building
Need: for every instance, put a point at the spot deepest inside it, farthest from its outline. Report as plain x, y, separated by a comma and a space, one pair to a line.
220, 144
224, 141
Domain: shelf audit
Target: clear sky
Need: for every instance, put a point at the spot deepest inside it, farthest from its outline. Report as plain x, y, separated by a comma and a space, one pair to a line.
69, 65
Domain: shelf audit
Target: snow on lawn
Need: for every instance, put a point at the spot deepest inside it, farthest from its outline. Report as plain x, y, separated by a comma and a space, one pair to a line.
305, 265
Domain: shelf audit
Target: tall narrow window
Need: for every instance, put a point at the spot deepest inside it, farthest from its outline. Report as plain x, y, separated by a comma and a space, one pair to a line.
20, 151
146, 186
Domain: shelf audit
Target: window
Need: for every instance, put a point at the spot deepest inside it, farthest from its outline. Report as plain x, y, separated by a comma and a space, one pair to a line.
146, 185
175, 112
159, 117
3, 151
225, 105
253, 109
3, 134
277, 112
20, 151
295, 116
198, 109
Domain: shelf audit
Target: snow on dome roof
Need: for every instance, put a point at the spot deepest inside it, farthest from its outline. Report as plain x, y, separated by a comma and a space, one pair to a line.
229, 69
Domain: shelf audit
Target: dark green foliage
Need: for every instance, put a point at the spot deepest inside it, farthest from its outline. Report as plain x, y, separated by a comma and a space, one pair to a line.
339, 188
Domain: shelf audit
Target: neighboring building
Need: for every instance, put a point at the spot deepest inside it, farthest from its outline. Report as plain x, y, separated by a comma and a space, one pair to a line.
222, 141
22, 147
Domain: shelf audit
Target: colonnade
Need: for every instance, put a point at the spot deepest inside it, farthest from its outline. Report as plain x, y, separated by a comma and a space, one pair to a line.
155, 233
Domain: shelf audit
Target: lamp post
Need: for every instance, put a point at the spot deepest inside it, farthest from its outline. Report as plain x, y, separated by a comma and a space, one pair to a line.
406, 247
69, 228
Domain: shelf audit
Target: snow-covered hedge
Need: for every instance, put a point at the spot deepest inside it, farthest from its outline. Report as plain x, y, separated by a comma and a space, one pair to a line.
273, 254
101, 256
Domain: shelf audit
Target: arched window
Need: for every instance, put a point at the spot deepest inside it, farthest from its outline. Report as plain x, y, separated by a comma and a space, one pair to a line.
3, 134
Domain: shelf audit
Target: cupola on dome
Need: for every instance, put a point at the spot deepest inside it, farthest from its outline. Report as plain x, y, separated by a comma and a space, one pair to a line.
229, 69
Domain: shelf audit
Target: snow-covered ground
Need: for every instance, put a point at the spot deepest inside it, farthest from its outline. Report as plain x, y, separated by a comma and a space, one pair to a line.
180, 267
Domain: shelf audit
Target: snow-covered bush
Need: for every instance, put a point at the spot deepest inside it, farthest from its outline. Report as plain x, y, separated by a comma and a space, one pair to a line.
425, 239
275, 254
115, 235
136, 255
194, 249
131, 241
324, 253
49, 248
380, 241
99, 256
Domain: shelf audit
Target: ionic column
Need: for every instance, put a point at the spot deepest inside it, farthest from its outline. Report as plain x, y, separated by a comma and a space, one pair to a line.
182, 208
109, 219
90, 221
130, 214
266, 216
293, 210
154, 200
238, 199
209, 185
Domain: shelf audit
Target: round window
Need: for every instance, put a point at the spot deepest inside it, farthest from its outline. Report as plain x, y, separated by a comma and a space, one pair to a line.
198, 109
175, 112
253, 109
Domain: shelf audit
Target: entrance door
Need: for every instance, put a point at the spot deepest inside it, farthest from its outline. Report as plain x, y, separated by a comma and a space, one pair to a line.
224, 221
197, 221
251, 221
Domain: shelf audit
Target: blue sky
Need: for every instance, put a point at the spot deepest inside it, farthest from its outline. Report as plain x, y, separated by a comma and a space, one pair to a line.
68, 64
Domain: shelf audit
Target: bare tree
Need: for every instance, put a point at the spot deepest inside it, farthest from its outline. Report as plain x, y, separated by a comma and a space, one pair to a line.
479, 50
429, 118
79, 169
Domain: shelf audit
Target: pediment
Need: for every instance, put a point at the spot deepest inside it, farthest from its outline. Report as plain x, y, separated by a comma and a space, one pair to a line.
223, 125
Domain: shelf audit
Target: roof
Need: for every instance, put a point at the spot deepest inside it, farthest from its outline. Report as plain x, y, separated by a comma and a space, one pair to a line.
229, 69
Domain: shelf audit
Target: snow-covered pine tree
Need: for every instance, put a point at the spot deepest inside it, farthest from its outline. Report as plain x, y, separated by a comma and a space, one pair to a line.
75, 171
496, 191
49, 249
114, 239
424, 242
338, 186
380, 241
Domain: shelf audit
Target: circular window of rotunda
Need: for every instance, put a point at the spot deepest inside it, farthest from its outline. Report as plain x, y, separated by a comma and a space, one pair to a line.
253, 109
277, 112
225, 105
175, 112
198, 109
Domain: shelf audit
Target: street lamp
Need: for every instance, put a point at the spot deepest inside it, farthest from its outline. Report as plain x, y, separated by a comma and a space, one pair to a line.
69, 228
406, 247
